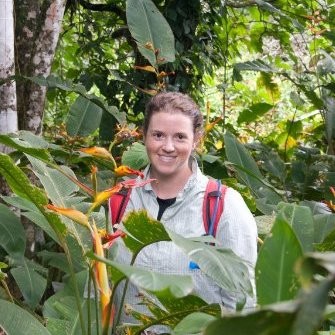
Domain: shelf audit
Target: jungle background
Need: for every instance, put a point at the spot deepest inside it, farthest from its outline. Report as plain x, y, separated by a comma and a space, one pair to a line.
75, 76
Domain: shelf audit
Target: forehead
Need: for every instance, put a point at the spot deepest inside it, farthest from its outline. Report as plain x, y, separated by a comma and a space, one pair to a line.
171, 120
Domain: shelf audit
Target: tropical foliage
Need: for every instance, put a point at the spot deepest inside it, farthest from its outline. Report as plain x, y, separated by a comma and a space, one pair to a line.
272, 66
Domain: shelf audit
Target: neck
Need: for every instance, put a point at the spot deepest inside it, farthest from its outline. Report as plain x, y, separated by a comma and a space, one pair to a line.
169, 186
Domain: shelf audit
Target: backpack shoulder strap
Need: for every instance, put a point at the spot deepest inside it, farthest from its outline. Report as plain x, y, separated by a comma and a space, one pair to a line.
117, 204
213, 205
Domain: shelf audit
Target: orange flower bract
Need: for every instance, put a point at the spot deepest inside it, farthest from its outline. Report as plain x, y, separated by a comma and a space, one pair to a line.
124, 170
71, 213
97, 152
101, 277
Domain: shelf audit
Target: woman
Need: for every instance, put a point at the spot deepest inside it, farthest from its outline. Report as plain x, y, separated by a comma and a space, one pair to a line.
172, 130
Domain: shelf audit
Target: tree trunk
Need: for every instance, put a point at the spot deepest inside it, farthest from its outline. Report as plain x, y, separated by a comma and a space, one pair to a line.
38, 25
8, 110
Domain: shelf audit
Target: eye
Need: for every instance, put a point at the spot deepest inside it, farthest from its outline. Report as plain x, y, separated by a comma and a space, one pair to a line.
181, 137
157, 135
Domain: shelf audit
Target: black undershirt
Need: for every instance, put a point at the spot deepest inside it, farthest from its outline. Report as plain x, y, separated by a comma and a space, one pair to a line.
163, 205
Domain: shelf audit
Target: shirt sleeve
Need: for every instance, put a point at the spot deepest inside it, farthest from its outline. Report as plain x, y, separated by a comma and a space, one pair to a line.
237, 231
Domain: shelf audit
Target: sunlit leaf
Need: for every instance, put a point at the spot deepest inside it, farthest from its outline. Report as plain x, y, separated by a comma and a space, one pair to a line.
151, 31
275, 277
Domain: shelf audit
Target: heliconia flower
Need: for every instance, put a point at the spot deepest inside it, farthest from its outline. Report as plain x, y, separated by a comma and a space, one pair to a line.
124, 170
101, 277
132, 183
103, 196
71, 213
109, 239
210, 126
94, 171
97, 152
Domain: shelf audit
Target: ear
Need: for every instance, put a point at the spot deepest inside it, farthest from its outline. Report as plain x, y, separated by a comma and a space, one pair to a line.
197, 139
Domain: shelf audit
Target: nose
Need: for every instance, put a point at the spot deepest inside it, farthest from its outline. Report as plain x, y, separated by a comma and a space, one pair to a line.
168, 145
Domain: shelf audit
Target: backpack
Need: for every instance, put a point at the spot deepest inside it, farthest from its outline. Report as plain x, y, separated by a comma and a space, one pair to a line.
212, 207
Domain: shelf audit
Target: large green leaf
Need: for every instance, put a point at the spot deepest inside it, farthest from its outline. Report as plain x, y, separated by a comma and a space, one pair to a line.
323, 225
301, 220
274, 164
178, 285
19, 182
314, 301
248, 171
56, 184
275, 277
151, 31
270, 321
61, 309
29, 210
12, 235
17, 321
19, 145
21, 185
193, 323
135, 157
253, 112
84, 117
66, 85
31, 283
143, 230
222, 265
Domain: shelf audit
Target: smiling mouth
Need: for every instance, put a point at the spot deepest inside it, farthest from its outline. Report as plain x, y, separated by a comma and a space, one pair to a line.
167, 158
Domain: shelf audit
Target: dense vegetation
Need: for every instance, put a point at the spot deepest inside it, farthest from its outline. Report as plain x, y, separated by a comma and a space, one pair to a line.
263, 72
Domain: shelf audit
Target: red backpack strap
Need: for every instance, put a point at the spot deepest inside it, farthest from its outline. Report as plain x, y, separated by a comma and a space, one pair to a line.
117, 204
213, 205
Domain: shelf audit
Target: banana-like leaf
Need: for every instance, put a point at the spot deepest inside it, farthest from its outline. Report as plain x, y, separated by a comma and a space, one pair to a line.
66, 85
253, 112
151, 31
19, 182
311, 311
301, 220
31, 283
296, 317
21, 185
275, 277
12, 235
222, 265
323, 225
194, 323
24, 147
57, 185
248, 171
274, 320
61, 309
84, 117
29, 210
17, 321
179, 286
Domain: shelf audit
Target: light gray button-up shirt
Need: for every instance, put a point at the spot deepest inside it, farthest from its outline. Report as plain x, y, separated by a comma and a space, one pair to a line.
236, 231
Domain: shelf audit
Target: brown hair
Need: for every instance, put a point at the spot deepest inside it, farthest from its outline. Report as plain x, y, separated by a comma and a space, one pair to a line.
173, 102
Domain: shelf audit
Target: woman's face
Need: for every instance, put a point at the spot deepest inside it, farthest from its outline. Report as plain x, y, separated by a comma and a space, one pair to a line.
169, 141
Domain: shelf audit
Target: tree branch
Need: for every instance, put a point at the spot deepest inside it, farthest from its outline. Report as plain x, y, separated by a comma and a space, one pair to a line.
104, 8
